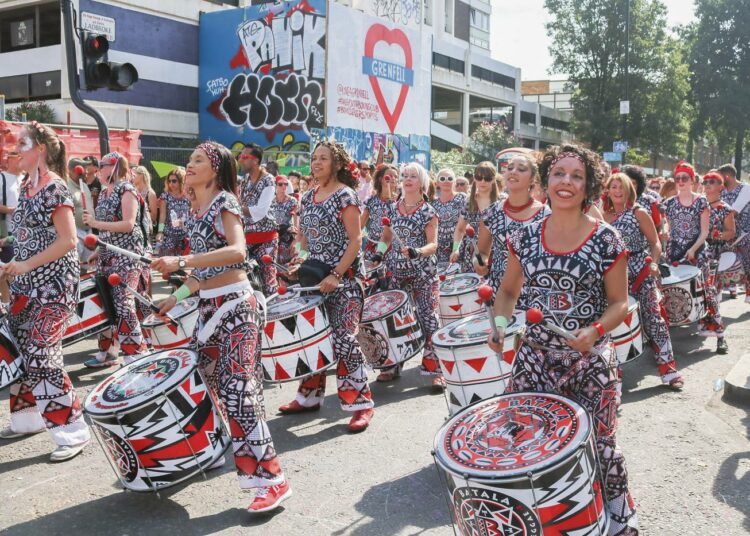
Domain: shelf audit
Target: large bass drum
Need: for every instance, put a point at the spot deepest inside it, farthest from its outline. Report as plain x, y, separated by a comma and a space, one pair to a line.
90, 316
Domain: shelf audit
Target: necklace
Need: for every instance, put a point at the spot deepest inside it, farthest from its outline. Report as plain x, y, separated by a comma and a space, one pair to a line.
513, 208
407, 205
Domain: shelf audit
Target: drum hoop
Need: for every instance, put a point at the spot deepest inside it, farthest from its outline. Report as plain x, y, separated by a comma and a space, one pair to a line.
513, 329
389, 313
462, 292
316, 304
153, 321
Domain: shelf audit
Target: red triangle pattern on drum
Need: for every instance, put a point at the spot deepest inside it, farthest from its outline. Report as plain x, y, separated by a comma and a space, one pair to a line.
628, 319
281, 374
269, 329
448, 365
323, 361
406, 321
456, 307
195, 396
172, 327
477, 364
509, 356
310, 316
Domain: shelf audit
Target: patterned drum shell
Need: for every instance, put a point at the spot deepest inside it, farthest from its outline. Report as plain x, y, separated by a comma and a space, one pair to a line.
523, 463
458, 297
89, 317
684, 295
156, 421
390, 332
166, 335
730, 270
11, 360
471, 370
628, 336
296, 338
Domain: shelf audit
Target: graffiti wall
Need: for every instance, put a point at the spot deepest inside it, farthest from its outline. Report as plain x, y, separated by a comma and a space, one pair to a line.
262, 74
378, 85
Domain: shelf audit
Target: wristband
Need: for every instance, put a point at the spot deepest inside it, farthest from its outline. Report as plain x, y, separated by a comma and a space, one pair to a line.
382, 247
599, 328
413, 253
335, 274
181, 293
456, 246
160, 228
501, 321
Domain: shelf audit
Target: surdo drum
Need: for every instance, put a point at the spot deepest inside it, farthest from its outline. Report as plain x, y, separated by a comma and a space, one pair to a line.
523, 464
89, 317
389, 333
11, 360
156, 421
458, 297
471, 369
296, 338
684, 294
628, 336
448, 269
166, 335
729, 270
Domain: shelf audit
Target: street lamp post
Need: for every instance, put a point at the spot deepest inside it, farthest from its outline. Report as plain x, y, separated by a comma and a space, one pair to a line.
625, 84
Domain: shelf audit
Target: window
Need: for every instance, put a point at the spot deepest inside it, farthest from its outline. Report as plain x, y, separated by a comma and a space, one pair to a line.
480, 42
37, 86
528, 118
479, 19
38, 26
492, 77
446, 62
555, 124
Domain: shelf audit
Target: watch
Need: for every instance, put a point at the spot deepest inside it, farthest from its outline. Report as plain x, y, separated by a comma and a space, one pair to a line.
181, 263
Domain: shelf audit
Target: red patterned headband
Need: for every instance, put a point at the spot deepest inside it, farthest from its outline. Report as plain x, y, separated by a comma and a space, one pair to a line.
568, 154
213, 155
684, 167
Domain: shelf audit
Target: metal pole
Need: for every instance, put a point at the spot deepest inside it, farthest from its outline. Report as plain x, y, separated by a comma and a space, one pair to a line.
627, 68
73, 82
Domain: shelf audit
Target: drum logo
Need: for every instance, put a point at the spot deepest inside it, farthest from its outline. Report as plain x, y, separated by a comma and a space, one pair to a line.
512, 430
481, 511
140, 379
121, 454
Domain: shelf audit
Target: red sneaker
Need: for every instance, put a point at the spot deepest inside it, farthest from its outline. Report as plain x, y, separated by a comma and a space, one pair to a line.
296, 407
361, 420
270, 497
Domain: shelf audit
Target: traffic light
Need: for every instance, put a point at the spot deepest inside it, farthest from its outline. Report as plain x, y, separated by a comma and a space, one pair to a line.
98, 70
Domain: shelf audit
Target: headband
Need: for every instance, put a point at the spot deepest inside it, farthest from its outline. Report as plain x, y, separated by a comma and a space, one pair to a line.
568, 154
213, 155
713, 175
684, 167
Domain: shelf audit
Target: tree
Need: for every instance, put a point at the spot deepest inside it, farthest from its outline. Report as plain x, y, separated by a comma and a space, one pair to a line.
589, 44
720, 66
35, 111
485, 142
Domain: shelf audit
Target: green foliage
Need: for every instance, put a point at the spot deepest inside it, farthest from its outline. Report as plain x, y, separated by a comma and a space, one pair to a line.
485, 142
35, 111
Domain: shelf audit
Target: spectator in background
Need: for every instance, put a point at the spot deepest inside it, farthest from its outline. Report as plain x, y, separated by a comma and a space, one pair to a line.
294, 177
469, 176
304, 185
272, 167
365, 181
91, 178
9, 182
462, 185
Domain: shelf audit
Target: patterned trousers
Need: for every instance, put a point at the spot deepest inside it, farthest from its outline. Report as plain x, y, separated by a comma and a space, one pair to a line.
127, 325
425, 293
268, 271
743, 253
656, 330
229, 360
44, 396
712, 322
590, 380
344, 308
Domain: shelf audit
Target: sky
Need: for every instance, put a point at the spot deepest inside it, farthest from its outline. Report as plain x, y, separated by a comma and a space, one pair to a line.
519, 38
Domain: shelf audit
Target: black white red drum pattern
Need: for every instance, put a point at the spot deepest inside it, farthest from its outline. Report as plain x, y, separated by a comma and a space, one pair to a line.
458, 297
684, 294
11, 360
166, 335
628, 336
89, 317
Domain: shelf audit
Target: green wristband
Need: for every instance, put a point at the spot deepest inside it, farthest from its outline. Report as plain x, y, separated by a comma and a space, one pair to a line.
161, 228
456, 246
501, 321
302, 254
382, 247
181, 293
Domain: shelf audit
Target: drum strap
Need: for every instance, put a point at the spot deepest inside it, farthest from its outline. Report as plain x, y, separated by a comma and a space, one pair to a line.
210, 326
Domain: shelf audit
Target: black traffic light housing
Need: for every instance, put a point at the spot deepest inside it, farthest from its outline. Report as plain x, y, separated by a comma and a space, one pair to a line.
98, 70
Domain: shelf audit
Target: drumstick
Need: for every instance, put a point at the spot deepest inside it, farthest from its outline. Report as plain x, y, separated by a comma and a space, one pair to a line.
386, 221
743, 235
91, 241
283, 290
486, 294
78, 170
267, 259
534, 316
470, 233
115, 280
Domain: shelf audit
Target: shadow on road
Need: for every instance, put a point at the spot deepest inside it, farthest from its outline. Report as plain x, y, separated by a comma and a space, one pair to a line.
732, 484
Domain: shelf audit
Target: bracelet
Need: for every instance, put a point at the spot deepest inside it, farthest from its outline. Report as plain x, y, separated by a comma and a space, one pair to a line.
160, 228
599, 328
335, 274
181, 293
382, 247
456, 246
501, 321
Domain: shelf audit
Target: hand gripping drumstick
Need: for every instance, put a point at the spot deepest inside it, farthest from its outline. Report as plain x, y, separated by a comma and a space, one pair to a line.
386, 221
643, 274
470, 233
91, 241
485, 294
115, 280
267, 259
283, 290
534, 316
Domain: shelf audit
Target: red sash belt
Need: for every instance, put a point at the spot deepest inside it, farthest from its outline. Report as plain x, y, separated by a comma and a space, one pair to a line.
260, 238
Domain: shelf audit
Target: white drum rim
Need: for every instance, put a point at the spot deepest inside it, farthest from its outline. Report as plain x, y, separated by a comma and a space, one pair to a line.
475, 277
680, 275
191, 306
551, 463
313, 302
516, 325
727, 267
404, 300
148, 396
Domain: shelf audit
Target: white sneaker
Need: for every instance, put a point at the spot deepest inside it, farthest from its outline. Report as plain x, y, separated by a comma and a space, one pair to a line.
9, 433
66, 452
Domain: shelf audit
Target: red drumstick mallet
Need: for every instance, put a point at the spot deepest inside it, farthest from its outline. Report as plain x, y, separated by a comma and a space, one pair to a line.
486, 294
91, 241
78, 170
535, 316
281, 290
470, 232
267, 259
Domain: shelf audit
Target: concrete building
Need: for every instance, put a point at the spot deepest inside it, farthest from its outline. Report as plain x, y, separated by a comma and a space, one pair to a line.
554, 94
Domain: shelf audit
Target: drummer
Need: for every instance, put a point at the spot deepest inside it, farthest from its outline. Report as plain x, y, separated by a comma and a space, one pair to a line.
329, 245
639, 233
503, 218
449, 205
227, 333
121, 220
284, 208
574, 269
174, 210
44, 296
412, 262
730, 194
485, 191
378, 205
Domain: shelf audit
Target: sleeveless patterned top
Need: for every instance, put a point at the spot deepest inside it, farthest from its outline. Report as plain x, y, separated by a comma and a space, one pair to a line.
207, 234
109, 209
250, 195
409, 231
321, 223
684, 225
448, 214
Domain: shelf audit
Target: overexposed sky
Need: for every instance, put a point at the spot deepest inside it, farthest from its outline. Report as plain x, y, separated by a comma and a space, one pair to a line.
520, 39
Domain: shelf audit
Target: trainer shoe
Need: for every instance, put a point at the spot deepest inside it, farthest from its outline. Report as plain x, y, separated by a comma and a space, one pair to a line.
721, 346
295, 407
270, 497
101, 360
361, 420
9, 433
66, 452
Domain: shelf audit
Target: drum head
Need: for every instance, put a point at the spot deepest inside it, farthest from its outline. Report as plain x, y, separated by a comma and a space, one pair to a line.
680, 273
141, 381
460, 284
510, 435
180, 310
447, 268
383, 304
284, 307
727, 260
473, 329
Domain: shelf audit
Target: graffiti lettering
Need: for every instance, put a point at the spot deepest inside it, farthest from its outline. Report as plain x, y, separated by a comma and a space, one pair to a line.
265, 102
399, 11
294, 43
216, 86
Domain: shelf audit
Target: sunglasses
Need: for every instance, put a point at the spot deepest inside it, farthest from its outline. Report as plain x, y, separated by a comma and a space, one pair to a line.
485, 178
682, 178
364, 168
709, 182
445, 179
282, 184
173, 181
462, 183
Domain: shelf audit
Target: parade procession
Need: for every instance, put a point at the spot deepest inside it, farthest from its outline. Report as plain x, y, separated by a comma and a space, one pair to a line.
522, 334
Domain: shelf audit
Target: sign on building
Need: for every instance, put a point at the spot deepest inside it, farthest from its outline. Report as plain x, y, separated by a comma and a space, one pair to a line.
98, 24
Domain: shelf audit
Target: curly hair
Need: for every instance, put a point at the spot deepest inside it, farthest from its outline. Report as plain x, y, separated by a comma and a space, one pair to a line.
56, 151
377, 180
341, 158
591, 161
638, 176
